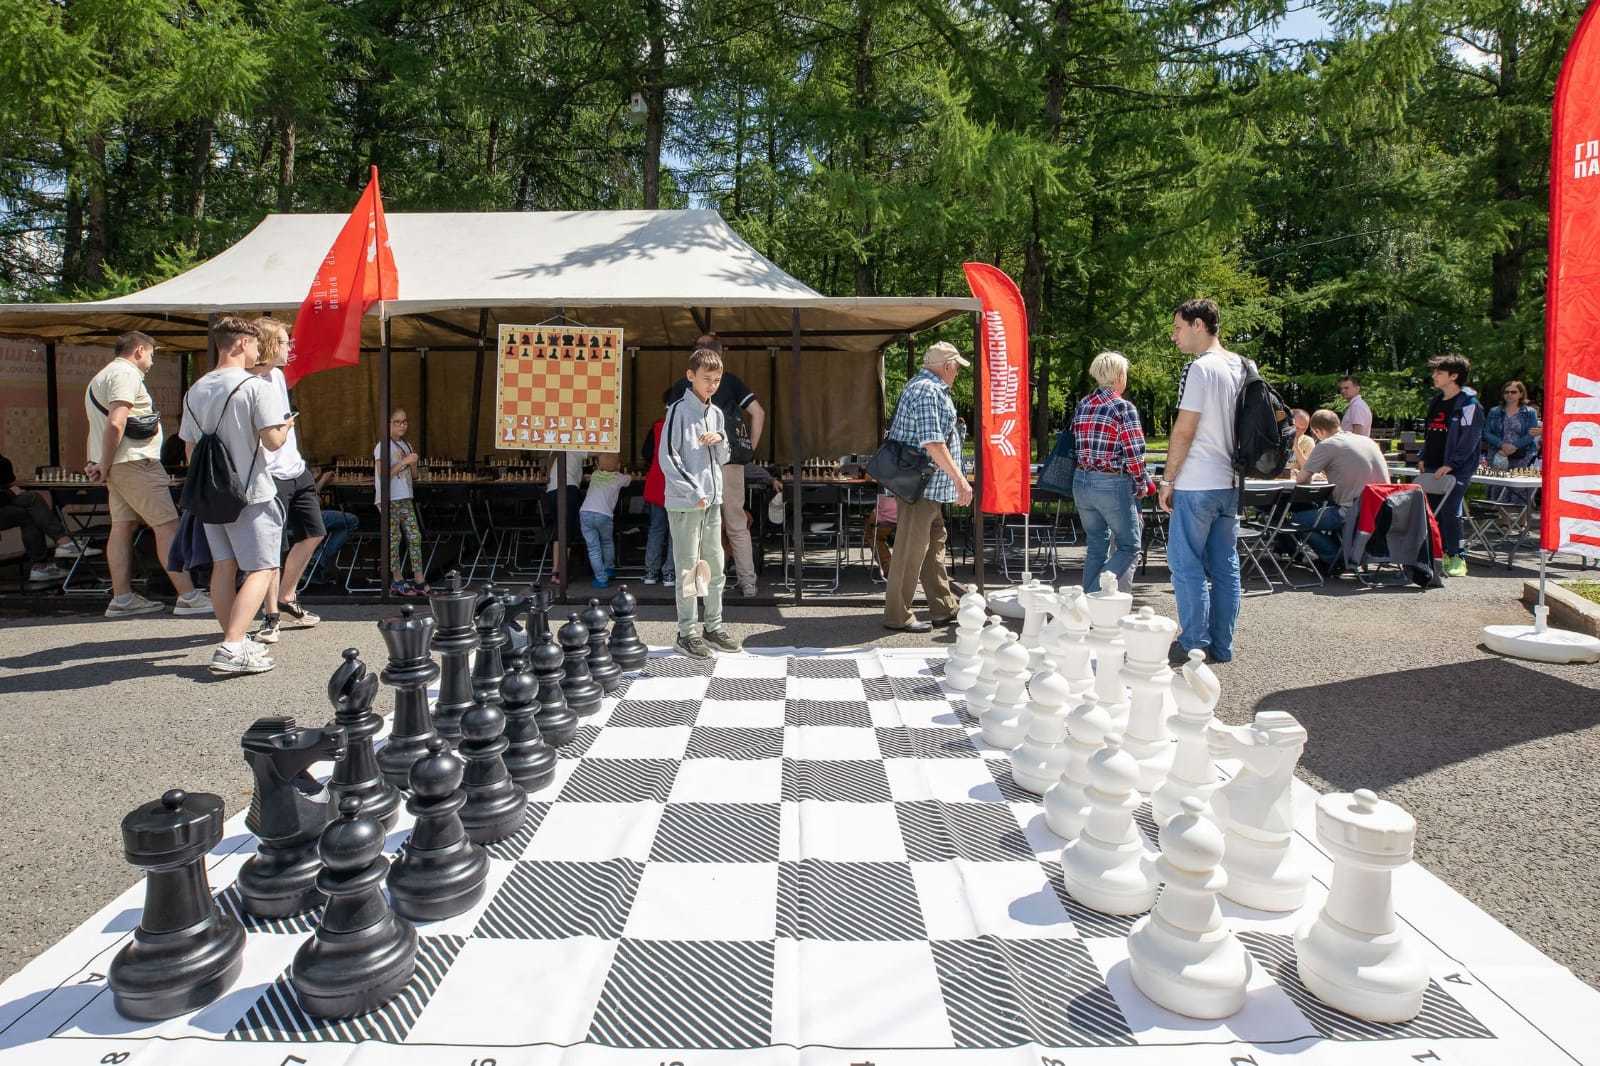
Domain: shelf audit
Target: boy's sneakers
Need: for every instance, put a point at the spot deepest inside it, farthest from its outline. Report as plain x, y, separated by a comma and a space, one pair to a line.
268, 633
226, 661
1455, 566
303, 618
651, 579
45, 573
602, 582
722, 640
130, 604
693, 646
195, 601
611, 572
667, 579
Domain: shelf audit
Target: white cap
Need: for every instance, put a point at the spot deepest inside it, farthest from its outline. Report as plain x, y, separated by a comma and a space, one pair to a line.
942, 354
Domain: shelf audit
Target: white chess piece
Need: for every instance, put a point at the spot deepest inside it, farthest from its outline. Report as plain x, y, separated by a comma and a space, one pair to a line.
1353, 955
1256, 811
961, 669
973, 598
1068, 648
1106, 608
1037, 764
1195, 691
1066, 804
1109, 867
1005, 722
1109, 691
1036, 600
990, 641
1181, 955
1146, 636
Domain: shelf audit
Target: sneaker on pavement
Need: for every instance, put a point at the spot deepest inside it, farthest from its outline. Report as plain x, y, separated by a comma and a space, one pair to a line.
196, 601
268, 633
651, 579
73, 550
44, 572
131, 604
224, 661
668, 580
722, 640
303, 618
1455, 566
693, 646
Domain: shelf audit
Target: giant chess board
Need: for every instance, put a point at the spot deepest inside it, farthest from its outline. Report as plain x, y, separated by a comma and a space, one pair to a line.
799, 858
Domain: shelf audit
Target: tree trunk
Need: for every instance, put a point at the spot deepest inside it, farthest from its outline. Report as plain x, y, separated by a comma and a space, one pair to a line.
1506, 264
738, 153
1033, 267
493, 147
864, 281
286, 153
97, 241
655, 97
199, 166
71, 244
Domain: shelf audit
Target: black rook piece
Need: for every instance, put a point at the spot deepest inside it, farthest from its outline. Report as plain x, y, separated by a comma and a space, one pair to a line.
439, 872
495, 803
361, 955
627, 650
186, 951
538, 612
410, 669
583, 695
454, 640
606, 673
557, 723
530, 761
488, 668
351, 690
288, 810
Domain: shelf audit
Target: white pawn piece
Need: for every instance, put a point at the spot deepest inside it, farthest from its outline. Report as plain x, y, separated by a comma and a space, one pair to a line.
1109, 867
1066, 804
961, 669
1109, 690
1106, 608
1069, 648
1352, 955
1006, 721
1038, 763
1146, 636
981, 695
1256, 811
1036, 600
973, 598
1195, 692
1181, 955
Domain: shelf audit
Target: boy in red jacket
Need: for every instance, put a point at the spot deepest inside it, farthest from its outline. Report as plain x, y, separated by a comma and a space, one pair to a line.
658, 545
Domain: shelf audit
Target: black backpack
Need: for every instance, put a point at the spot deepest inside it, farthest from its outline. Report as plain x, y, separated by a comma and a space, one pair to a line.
1263, 429
213, 491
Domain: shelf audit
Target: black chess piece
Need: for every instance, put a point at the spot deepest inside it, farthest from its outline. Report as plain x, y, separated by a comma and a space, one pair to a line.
439, 872
351, 690
536, 613
583, 695
362, 953
529, 760
556, 721
186, 950
594, 340
410, 669
495, 802
454, 640
606, 673
488, 666
627, 650
288, 810
513, 608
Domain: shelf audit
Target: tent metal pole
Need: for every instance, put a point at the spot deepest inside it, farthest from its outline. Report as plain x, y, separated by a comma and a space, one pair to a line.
981, 548
422, 374
52, 402
772, 394
633, 404
796, 531
561, 527
386, 395
477, 389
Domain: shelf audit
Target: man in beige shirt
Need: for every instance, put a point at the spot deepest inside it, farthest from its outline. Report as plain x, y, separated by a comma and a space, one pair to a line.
1351, 462
136, 482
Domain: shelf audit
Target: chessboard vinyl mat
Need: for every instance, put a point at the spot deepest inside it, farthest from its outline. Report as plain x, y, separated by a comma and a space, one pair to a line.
798, 857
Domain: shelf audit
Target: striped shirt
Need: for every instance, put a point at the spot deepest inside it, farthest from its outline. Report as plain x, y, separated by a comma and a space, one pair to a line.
927, 415
1109, 439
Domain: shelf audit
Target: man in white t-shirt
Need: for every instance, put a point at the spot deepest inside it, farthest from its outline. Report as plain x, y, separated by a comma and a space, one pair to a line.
1357, 415
1199, 488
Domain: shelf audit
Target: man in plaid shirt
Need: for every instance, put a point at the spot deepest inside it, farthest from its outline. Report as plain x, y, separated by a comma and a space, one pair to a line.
1110, 475
926, 418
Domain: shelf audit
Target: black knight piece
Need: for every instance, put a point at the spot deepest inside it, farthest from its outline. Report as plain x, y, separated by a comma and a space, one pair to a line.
351, 690
288, 811
454, 640
627, 650
556, 721
530, 761
362, 953
512, 608
488, 667
495, 803
606, 673
583, 695
186, 950
439, 872
411, 668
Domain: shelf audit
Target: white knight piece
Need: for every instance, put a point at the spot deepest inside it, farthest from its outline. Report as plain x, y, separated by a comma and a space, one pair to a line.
1066, 640
1256, 811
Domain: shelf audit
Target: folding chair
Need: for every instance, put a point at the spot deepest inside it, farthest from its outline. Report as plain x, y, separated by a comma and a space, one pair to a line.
1261, 518
1302, 498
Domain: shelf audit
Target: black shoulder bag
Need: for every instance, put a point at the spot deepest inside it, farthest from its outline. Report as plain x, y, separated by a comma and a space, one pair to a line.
903, 469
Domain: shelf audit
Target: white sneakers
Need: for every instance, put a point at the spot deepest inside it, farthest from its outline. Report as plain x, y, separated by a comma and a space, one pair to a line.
46, 573
252, 660
197, 601
73, 550
126, 606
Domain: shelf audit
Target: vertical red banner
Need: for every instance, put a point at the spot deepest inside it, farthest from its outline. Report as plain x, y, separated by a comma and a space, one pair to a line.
1571, 444
1003, 430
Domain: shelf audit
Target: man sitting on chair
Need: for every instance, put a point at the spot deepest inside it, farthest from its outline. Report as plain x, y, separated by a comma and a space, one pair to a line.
1351, 462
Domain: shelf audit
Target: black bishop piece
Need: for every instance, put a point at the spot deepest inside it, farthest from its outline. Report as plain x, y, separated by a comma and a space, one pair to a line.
583, 695
556, 721
351, 690
411, 668
362, 954
454, 639
530, 761
439, 872
627, 650
288, 810
606, 673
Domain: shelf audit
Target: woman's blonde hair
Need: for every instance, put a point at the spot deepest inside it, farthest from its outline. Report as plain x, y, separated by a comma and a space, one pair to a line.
274, 341
1109, 368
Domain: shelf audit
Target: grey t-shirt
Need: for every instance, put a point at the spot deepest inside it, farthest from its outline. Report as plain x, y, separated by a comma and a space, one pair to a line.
253, 408
1351, 462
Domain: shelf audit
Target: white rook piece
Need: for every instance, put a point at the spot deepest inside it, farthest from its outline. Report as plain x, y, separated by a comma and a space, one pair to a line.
1005, 722
1195, 692
1181, 955
1352, 956
1038, 763
1067, 646
1256, 810
1109, 690
1106, 608
993, 638
1146, 636
1066, 804
1109, 868
961, 669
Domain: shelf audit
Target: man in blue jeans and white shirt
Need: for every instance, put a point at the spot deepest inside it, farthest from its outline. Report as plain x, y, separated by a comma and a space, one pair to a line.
1199, 488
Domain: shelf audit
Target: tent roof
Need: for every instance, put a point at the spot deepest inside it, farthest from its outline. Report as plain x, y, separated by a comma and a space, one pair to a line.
652, 272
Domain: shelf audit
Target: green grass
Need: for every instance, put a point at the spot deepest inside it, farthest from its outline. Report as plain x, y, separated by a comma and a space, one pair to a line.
1589, 590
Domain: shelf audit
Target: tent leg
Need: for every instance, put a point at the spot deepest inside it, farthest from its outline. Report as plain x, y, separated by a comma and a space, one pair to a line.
422, 389
387, 404
980, 548
561, 527
477, 390
52, 402
796, 533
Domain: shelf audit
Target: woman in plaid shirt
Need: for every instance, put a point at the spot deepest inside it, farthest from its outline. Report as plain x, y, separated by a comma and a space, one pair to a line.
1110, 476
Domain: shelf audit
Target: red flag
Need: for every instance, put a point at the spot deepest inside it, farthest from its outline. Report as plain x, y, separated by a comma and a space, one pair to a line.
1571, 443
357, 271
1003, 399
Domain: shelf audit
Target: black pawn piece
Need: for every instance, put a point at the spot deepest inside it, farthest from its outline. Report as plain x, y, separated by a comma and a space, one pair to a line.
351, 690
583, 695
530, 761
627, 650
288, 810
439, 872
488, 667
362, 954
186, 951
411, 668
556, 721
455, 639
606, 673
495, 803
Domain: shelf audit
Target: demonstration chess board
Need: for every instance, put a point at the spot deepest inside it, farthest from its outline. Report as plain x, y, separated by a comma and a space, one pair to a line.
798, 858
559, 388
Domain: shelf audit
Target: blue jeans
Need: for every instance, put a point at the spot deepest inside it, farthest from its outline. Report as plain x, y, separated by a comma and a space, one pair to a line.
1449, 517
1322, 520
339, 525
602, 546
658, 544
1204, 557
1110, 516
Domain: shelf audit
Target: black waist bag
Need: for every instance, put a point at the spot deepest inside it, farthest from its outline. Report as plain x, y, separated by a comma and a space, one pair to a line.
136, 427
213, 491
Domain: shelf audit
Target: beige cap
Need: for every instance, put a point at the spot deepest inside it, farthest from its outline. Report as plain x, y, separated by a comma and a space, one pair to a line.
942, 354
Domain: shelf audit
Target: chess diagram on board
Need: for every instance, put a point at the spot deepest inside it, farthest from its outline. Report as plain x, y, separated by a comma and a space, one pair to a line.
559, 388
565, 847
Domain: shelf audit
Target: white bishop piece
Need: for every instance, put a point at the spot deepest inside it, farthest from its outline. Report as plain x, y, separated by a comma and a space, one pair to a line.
1256, 811
994, 637
1195, 692
1005, 722
1038, 763
961, 669
1066, 641
1181, 955
1106, 608
1109, 868
1066, 804
1146, 636
1352, 956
